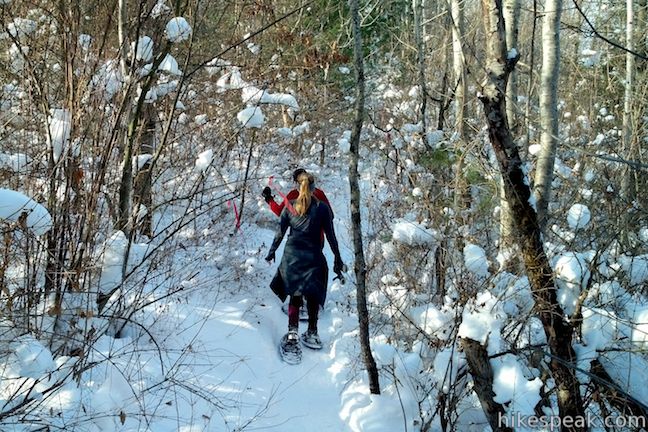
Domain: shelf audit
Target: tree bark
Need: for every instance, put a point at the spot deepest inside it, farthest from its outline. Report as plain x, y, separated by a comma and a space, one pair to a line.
142, 184
420, 48
512, 22
557, 330
458, 65
628, 181
359, 266
508, 249
482, 375
548, 107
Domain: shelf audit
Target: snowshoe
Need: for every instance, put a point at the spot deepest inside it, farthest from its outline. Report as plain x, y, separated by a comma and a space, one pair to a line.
289, 348
311, 340
303, 312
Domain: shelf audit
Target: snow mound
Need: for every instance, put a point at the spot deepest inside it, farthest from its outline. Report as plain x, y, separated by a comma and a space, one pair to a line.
13, 204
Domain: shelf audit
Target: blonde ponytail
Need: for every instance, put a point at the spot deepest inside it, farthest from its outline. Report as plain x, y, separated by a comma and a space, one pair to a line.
305, 195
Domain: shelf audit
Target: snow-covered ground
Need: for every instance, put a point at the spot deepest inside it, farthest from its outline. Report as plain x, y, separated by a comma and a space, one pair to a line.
206, 358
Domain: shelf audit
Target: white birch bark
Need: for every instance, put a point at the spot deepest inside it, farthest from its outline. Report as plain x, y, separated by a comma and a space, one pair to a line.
417, 6
508, 256
628, 187
512, 21
548, 107
121, 36
458, 65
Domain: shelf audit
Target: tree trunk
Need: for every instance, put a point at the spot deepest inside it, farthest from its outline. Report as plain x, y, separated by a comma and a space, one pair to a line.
509, 256
121, 36
548, 107
420, 48
628, 188
557, 330
482, 375
458, 65
461, 189
142, 187
531, 81
512, 22
359, 266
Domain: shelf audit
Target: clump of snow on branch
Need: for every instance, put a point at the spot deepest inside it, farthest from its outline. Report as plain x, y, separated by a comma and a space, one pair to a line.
475, 260
216, 65
294, 131
254, 95
107, 81
159, 9
434, 321
140, 160
60, 124
15, 162
484, 319
201, 119
84, 41
572, 274
344, 143
112, 262
170, 65
578, 216
204, 160
512, 386
13, 204
21, 27
143, 48
178, 29
413, 234
251, 117
636, 268
231, 80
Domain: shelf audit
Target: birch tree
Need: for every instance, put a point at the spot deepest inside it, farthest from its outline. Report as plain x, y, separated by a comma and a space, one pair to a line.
508, 257
458, 65
512, 22
557, 329
359, 267
548, 107
420, 48
628, 187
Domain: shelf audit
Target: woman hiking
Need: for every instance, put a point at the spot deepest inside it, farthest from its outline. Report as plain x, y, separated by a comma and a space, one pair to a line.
277, 208
303, 272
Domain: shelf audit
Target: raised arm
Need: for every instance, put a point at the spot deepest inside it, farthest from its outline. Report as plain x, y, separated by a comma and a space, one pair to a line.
276, 208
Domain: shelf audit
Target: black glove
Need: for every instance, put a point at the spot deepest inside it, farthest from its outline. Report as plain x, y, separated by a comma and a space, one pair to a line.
338, 266
267, 194
270, 257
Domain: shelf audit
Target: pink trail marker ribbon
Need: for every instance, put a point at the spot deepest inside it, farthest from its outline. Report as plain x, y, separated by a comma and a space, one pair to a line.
289, 206
230, 204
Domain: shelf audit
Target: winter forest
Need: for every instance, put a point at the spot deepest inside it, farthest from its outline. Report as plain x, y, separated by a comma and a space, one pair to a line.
485, 162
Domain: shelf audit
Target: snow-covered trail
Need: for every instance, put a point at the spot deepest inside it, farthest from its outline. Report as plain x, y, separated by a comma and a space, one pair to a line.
236, 359
243, 370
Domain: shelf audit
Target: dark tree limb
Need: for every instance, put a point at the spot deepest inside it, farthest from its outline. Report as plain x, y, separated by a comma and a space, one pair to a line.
482, 375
